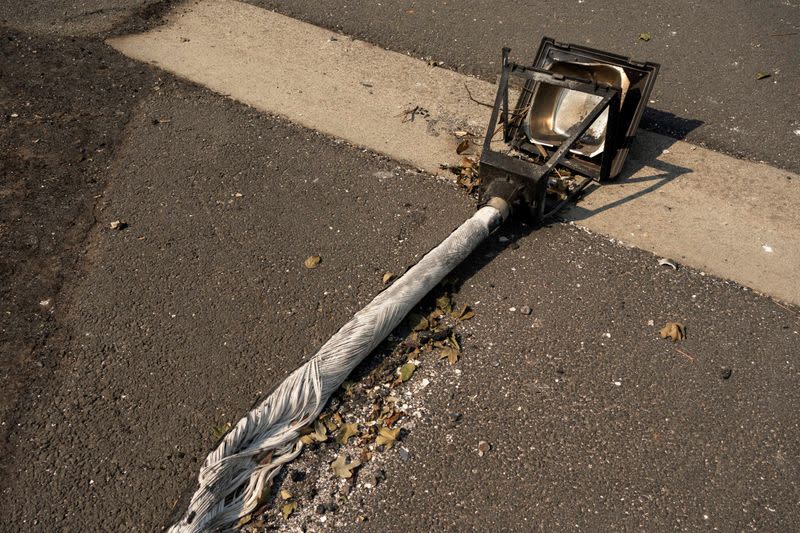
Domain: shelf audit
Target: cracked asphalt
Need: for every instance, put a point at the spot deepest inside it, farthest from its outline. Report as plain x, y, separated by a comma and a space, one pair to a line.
122, 350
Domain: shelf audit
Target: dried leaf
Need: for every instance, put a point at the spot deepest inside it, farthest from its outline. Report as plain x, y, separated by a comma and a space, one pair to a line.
388, 277
219, 431
674, 331
346, 432
462, 147
460, 133
466, 313
436, 314
349, 387
285, 494
287, 509
330, 425
365, 455
342, 468
760, 75
645, 36
406, 371
312, 261
451, 354
265, 460
419, 322
454, 341
320, 434
243, 520
387, 437
374, 411
392, 420
413, 354
443, 303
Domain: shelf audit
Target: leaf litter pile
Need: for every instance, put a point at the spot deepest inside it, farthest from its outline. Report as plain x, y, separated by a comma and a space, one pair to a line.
364, 423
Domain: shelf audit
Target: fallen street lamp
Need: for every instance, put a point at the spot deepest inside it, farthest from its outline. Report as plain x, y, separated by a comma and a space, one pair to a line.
578, 110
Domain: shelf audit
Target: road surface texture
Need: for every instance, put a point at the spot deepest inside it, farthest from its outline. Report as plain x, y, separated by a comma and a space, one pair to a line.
711, 54
122, 350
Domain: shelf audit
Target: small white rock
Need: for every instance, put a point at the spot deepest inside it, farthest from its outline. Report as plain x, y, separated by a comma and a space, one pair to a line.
767, 248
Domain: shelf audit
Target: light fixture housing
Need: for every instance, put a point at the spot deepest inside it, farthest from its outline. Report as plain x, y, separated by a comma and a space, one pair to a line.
578, 109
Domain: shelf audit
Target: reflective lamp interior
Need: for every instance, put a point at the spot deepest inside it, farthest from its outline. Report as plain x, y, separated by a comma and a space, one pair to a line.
555, 110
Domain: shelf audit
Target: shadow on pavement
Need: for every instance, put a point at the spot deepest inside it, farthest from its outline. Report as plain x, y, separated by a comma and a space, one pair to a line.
644, 153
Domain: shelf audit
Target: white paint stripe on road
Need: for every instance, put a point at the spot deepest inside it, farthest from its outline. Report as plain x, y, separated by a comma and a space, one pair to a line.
705, 209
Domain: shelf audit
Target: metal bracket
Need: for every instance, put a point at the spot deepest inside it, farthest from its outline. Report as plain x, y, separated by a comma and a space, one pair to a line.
519, 178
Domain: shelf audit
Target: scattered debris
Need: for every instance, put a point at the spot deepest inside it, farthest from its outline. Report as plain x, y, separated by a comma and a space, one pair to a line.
312, 261
410, 114
388, 277
483, 448
674, 331
525, 310
404, 454
118, 225
463, 146
686, 355
645, 36
365, 421
761, 75
668, 262
767, 248
726, 373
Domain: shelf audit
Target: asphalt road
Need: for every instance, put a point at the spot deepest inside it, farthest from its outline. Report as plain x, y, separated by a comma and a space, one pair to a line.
710, 53
122, 350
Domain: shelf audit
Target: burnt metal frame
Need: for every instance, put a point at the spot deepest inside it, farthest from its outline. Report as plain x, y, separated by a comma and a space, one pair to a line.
527, 181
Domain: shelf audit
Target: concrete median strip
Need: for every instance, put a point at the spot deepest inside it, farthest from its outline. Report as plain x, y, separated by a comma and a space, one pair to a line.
731, 218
